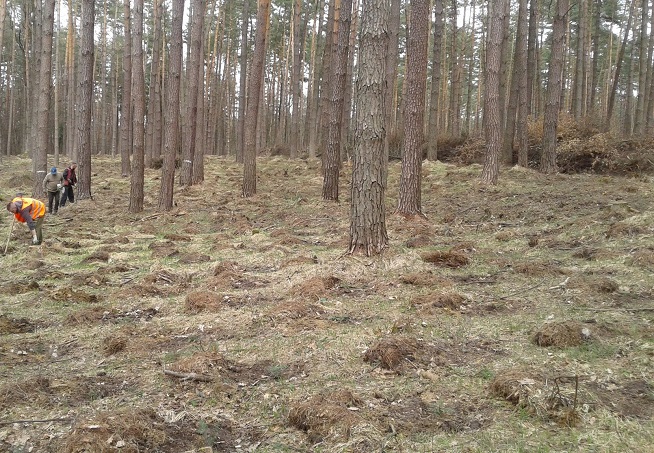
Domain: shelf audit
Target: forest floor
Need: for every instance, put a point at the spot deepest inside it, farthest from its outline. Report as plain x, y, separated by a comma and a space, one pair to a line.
515, 317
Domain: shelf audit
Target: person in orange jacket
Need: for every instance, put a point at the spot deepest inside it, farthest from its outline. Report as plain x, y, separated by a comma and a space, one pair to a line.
30, 211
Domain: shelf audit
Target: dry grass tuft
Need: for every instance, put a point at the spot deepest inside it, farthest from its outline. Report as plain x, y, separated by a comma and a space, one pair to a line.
425, 279
418, 241
113, 344
642, 258
315, 287
69, 294
35, 390
87, 316
9, 325
201, 363
98, 256
392, 353
325, 417
450, 258
449, 300
295, 309
129, 431
199, 301
538, 269
560, 334
620, 229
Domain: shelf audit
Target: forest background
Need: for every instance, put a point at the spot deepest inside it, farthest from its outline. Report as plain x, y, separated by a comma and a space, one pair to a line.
139, 81
216, 308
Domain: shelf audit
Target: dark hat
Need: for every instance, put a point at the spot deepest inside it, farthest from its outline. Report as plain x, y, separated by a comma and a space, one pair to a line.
53, 170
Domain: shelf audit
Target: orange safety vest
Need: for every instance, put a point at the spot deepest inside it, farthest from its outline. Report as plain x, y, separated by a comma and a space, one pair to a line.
37, 209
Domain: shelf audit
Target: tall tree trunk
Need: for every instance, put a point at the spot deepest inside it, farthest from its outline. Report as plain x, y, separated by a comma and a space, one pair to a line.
434, 105
137, 181
12, 98
58, 74
240, 150
455, 75
367, 210
618, 68
255, 84
331, 157
85, 104
579, 98
532, 57
171, 116
105, 104
595, 78
505, 66
153, 151
43, 109
197, 56
3, 12
523, 98
313, 91
554, 87
492, 117
126, 104
642, 72
390, 87
409, 200
295, 78
200, 133
520, 52
649, 88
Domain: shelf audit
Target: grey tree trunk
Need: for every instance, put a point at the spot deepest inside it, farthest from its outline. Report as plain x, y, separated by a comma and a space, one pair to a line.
43, 108
171, 117
554, 87
492, 118
434, 105
332, 158
126, 106
255, 84
137, 181
409, 199
193, 73
367, 213
85, 102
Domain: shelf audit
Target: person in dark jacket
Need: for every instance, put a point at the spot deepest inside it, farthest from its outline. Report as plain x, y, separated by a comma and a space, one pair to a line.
70, 181
51, 186
30, 211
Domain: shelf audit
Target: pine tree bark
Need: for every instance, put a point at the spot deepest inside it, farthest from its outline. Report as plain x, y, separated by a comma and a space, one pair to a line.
295, 78
85, 103
523, 98
532, 57
640, 120
554, 87
519, 62
255, 84
409, 200
492, 118
153, 151
618, 68
331, 157
171, 117
390, 88
43, 108
367, 213
126, 105
137, 181
434, 104
189, 153
240, 150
